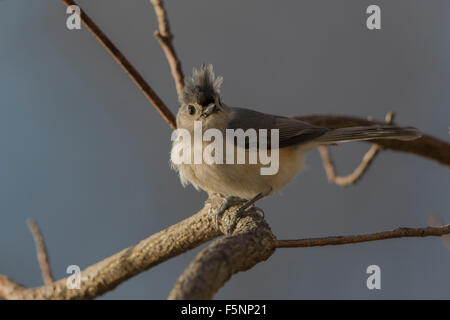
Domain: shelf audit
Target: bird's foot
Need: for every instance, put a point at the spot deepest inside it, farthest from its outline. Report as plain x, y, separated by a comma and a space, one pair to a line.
240, 212
226, 204
243, 211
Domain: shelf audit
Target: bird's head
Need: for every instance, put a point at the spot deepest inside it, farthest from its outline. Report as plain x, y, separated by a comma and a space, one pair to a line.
200, 100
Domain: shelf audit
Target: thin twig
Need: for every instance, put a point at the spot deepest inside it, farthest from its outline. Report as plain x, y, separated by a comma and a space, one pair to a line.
391, 234
435, 220
41, 252
357, 174
126, 65
165, 38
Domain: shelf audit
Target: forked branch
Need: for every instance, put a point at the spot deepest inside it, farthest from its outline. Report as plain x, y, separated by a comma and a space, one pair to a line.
165, 38
357, 174
126, 66
252, 240
251, 243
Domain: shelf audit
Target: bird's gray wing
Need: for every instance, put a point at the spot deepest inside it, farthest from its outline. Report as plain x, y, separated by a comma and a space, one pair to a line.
291, 131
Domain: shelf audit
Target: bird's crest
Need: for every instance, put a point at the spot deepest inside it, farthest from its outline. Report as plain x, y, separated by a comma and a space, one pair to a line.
202, 88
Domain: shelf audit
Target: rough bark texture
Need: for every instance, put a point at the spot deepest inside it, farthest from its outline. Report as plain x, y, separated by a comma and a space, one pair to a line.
107, 274
251, 242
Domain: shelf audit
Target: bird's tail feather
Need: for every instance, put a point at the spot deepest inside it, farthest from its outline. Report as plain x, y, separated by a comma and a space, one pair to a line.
369, 133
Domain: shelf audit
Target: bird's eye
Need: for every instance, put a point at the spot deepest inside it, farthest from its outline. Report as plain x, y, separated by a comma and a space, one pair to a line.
191, 110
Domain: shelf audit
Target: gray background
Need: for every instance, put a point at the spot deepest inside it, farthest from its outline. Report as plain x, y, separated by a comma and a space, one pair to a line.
85, 154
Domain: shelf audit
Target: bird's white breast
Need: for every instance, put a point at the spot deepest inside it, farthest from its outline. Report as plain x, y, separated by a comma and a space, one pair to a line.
241, 180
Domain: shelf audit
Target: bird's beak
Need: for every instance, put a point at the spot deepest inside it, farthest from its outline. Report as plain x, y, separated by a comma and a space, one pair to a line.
211, 108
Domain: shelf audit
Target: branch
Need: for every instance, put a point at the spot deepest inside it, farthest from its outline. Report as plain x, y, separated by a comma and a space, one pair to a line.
165, 38
426, 146
127, 66
251, 242
41, 251
353, 177
391, 234
110, 272
357, 174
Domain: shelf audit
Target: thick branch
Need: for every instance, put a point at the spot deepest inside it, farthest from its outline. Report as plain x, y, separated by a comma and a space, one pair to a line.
107, 274
251, 243
165, 39
41, 251
127, 66
391, 234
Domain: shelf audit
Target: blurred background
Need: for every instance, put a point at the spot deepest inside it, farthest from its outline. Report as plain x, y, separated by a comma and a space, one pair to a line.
84, 153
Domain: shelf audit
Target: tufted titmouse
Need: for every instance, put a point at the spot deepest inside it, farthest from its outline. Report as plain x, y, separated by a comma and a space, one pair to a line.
201, 104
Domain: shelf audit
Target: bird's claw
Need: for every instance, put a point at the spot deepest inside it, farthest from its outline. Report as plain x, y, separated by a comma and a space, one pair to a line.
240, 212
226, 204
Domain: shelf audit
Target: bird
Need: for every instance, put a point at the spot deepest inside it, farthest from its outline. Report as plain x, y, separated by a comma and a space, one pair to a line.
201, 104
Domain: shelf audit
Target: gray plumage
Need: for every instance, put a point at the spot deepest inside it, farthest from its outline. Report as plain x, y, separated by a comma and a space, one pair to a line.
203, 87
368, 133
200, 101
293, 131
